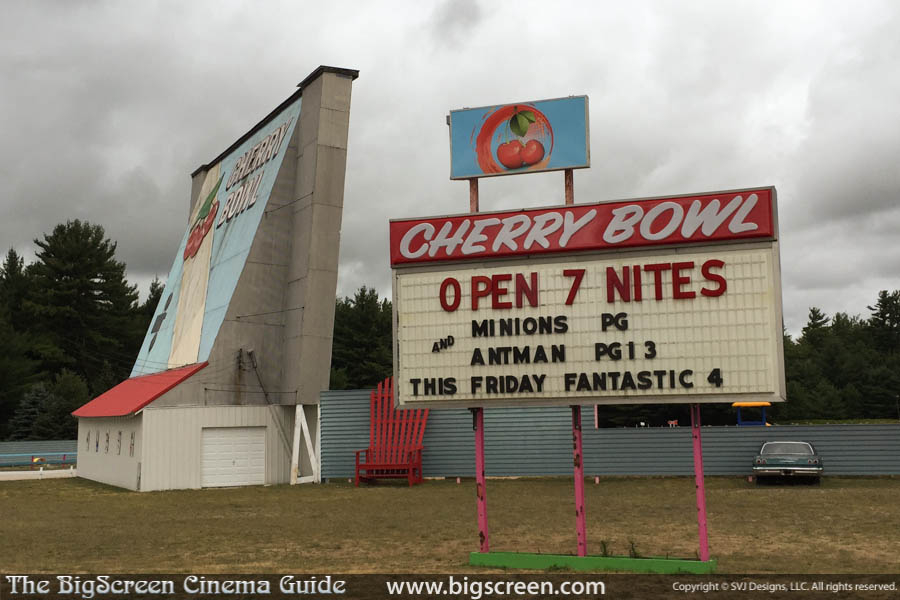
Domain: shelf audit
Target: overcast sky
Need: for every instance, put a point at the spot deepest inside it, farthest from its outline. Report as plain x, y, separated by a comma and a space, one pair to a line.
107, 107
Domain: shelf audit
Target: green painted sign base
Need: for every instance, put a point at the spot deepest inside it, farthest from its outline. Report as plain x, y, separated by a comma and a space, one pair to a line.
523, 560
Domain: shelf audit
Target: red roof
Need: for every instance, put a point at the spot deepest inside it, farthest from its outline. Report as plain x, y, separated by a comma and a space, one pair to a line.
134, 394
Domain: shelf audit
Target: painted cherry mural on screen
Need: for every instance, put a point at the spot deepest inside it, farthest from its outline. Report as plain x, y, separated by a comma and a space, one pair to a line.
203, 224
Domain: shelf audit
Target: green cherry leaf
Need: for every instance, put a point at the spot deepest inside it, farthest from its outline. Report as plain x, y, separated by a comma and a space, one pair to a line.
519, 125
516, 126
529, 115
523, 123
204, 210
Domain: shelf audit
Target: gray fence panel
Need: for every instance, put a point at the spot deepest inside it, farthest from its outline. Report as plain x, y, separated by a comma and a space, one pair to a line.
345, 429
449, 444
36, 447
521, 441
526, 441
538, 441
846, 449
644, 451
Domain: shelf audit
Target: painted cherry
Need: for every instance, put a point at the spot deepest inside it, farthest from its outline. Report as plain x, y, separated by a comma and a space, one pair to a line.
199, 232
190, 249
198, 239
533, 152
510, 154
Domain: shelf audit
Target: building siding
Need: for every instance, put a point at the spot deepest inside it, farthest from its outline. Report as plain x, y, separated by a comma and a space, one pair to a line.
110, 466
171, 456
538, 441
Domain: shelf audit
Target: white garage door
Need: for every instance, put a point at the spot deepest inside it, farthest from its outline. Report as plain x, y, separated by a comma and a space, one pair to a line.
233, 456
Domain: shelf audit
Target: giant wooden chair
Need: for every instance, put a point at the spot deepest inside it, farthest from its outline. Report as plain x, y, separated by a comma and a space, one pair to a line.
395, 439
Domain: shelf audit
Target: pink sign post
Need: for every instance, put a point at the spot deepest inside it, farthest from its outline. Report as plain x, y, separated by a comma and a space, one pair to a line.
578, 455
484, 537
580, 526
480, 492
698, 482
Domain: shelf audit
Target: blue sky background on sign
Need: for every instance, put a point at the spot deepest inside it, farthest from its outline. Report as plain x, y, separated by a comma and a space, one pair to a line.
566, 117
684, 97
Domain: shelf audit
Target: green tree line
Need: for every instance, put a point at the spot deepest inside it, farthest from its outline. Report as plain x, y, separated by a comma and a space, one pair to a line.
839, 368
72, 326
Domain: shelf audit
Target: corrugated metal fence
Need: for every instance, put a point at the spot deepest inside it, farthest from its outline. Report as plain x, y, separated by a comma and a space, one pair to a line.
33, 453
538, 441
36, 447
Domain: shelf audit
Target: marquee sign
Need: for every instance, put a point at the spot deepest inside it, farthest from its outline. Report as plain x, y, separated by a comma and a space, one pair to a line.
665, 300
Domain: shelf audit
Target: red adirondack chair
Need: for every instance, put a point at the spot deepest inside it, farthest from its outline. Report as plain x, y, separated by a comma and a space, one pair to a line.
395, 439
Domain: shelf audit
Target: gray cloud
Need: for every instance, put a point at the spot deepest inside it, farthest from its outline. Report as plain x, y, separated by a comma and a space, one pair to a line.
455, 21
108, 107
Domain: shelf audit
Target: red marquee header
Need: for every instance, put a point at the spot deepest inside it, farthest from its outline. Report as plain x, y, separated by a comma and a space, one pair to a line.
717, 217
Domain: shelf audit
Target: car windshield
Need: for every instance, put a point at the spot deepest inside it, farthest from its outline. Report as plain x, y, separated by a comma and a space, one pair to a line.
786, 448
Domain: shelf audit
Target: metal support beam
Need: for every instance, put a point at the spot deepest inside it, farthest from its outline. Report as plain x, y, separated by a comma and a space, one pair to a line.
311, 440
295, 446
473, 195
310, 449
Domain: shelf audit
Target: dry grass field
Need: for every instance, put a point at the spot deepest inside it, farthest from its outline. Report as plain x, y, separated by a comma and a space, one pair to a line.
846, 525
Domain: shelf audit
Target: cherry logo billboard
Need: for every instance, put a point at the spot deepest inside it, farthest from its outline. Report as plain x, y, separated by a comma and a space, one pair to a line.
544, 135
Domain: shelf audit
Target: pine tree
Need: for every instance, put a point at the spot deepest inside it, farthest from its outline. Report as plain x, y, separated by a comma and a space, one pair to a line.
56, 422
15, 282
361, 352
885, 321
816, 327
148, 308
81, 304
17, 371
105, 380
45, 412
21, 426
